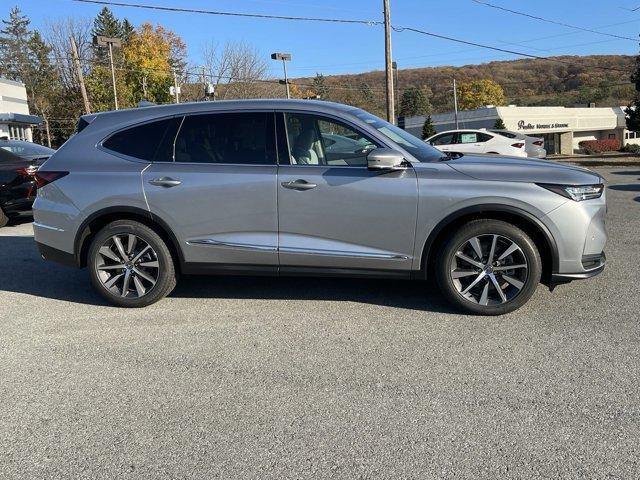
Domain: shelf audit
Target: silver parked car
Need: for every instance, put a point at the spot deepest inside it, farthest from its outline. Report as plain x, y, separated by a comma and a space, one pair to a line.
140, 196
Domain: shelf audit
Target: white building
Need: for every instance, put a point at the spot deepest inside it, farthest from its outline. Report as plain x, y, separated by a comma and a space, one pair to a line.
562, 128
15, 121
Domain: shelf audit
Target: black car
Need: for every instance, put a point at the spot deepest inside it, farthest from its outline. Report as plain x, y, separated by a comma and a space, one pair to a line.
18, 163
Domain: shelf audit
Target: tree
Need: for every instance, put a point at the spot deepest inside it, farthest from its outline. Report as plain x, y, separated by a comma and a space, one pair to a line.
427, 129
14, 46
149, 60
478, 93
319, 86
499, 125
414, 102
24, 56
632, 112
107, 25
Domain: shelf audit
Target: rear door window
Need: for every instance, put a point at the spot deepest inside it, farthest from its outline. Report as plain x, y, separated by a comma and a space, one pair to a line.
152, 142
232, 138
444, 139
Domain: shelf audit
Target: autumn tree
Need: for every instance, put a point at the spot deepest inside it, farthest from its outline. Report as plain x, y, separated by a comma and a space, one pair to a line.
414, 102
478, 93
150, 56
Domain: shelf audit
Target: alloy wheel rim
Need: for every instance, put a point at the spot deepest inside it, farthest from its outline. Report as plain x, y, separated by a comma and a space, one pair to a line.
489, 269
127, 266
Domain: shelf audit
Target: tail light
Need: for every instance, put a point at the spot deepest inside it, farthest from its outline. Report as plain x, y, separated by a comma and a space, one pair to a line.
539, 143
517, 145
45, 178
29, 171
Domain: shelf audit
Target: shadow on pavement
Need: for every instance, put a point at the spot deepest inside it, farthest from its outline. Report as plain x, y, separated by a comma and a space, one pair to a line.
627, 172
632, 187
22, 270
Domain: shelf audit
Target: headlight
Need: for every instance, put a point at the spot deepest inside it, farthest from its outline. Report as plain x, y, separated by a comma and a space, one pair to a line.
576, 192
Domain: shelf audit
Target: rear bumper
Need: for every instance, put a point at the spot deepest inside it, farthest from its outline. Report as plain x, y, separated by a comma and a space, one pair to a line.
58, 256
590, 260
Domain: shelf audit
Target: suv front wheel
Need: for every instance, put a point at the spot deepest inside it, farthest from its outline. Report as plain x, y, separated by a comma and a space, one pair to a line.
488, 267
130, 265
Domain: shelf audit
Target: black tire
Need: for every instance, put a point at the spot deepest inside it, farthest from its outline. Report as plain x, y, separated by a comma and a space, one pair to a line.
515, 297
3, 218
166, 274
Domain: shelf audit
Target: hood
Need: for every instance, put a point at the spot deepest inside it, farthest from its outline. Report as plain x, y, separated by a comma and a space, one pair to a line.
511, 169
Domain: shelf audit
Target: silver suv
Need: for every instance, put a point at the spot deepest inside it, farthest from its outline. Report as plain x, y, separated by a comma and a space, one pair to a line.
308, 188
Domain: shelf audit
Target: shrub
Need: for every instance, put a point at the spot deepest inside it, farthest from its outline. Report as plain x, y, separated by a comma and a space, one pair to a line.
598, 146
631, 148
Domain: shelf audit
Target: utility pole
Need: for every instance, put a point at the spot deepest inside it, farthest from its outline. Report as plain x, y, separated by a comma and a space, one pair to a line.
285, 57
455, 102
396, 83
176, 90
76, 62
110, 42
387, 63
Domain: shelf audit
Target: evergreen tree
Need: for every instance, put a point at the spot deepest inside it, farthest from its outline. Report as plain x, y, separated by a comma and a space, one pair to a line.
499, 125
414, 102
107, 25
14, 48
319, 86
427, 129
632, 111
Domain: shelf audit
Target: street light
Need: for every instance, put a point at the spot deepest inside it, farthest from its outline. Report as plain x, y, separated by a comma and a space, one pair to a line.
110, 42
285, 57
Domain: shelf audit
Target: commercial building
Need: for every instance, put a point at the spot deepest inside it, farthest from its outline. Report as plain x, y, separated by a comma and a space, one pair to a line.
15, 121
562, 128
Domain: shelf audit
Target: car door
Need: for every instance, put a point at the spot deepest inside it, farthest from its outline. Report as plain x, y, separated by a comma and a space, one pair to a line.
470, 142
335, 213
218, 191
444, 142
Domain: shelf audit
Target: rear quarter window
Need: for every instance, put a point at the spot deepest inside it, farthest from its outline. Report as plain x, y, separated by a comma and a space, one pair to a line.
152, 142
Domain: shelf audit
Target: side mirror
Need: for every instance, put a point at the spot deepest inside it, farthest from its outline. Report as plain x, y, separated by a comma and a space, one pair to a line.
385, 159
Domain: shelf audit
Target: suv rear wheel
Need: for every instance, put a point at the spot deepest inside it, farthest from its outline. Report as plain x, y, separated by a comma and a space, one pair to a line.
489, 267
130, 265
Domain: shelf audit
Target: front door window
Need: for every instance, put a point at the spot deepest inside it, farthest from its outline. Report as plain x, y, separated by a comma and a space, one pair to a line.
322, 141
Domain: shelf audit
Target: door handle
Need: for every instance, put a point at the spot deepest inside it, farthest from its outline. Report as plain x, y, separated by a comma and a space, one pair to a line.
167, 182
299, 185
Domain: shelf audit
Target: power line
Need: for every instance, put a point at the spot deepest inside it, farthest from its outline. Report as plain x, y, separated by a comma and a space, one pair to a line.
234, 14
334, 20
542, 19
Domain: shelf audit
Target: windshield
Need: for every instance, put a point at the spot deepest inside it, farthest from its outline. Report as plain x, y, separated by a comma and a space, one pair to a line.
26, 148
416, 147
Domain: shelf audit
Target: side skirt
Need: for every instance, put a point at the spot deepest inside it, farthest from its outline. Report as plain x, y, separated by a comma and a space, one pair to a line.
288, 271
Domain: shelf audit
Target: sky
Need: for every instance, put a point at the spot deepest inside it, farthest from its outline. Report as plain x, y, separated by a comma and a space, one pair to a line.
331, 48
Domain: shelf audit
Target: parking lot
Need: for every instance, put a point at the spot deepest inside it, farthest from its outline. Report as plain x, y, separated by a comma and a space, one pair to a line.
323, 378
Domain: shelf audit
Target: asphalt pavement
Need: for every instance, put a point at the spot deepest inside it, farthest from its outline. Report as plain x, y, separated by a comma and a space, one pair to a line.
320, 378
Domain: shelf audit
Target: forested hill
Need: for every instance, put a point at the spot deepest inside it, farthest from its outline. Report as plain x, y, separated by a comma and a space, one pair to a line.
564, 80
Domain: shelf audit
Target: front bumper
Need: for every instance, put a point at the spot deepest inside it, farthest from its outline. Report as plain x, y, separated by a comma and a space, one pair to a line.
587, 260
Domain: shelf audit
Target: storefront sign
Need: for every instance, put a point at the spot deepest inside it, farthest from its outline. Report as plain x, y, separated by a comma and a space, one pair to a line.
522, 125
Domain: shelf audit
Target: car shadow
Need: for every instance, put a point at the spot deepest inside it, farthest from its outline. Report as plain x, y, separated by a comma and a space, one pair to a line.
632, 187
22, 270
627, 172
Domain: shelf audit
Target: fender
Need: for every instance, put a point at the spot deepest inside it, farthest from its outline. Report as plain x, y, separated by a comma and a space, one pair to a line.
492, 207
83, 232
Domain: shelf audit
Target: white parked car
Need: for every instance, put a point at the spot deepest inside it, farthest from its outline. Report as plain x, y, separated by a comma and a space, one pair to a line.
534, 146
477, 141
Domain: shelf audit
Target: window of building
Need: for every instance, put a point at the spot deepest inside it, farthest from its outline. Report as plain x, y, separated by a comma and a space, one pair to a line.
17, 132
232, 138
315, 140
152, 141
612, 136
